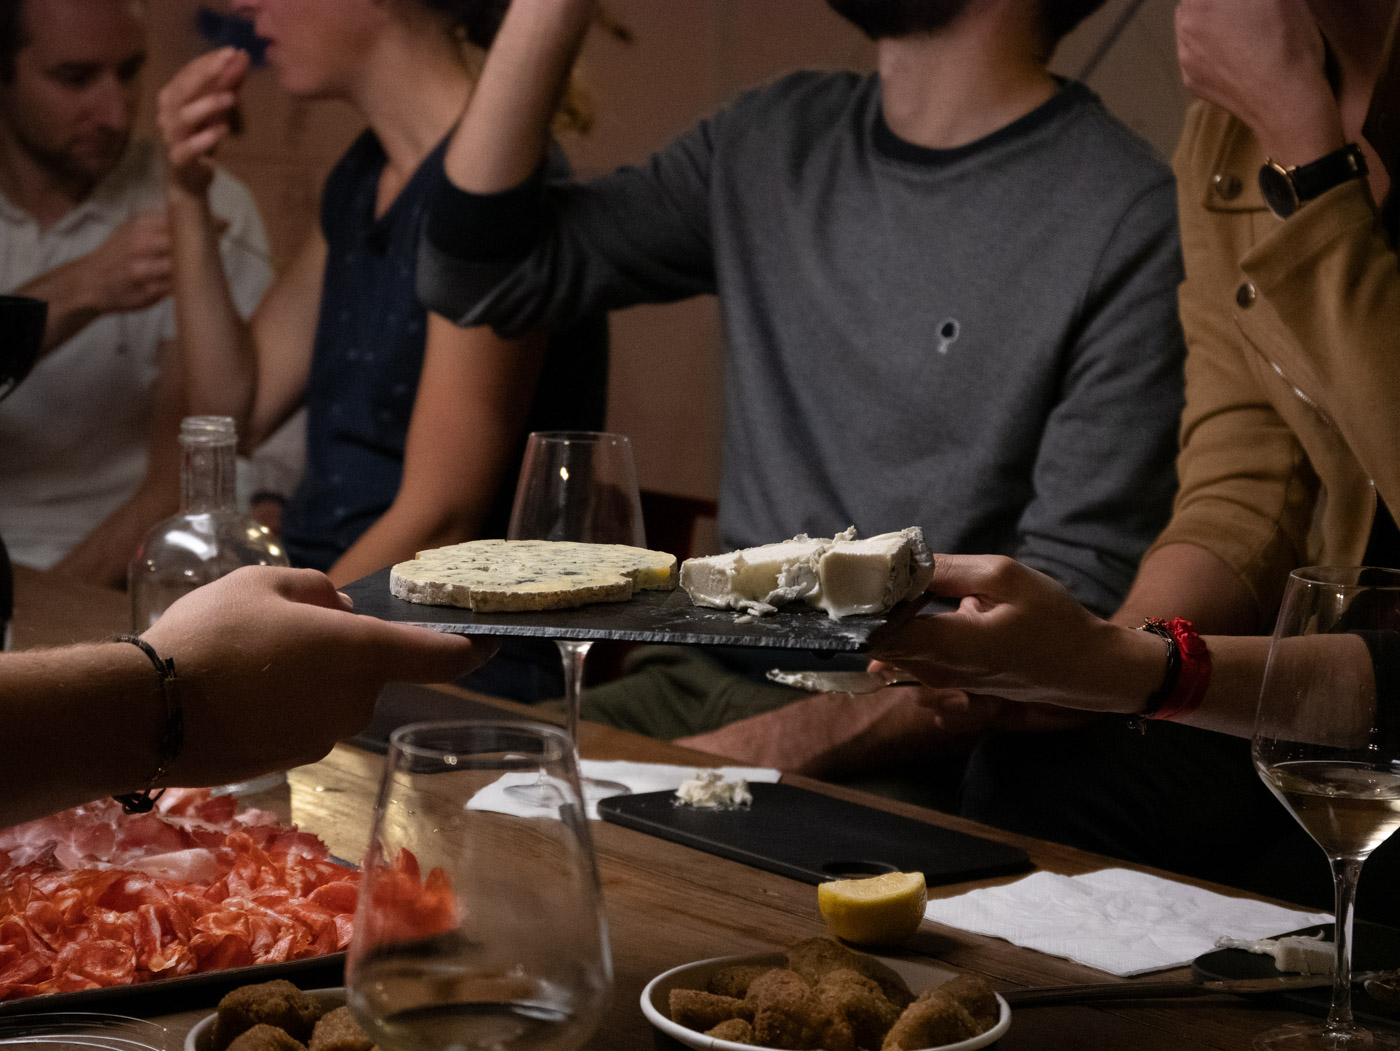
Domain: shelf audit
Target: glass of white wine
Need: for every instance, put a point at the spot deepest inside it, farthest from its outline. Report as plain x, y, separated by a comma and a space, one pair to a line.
1327, 744
579, 486
478, 930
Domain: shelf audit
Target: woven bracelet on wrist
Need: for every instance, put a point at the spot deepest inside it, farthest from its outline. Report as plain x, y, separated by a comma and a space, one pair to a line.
172, 738
1187, 673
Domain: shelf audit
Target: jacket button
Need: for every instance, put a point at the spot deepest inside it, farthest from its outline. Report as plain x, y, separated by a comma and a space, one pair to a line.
1227, 186
1244, 295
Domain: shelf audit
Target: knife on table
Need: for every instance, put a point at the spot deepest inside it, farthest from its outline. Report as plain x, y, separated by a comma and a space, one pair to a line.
1064, 994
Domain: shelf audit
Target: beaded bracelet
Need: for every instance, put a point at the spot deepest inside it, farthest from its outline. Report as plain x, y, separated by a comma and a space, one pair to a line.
172, 739
1187, 673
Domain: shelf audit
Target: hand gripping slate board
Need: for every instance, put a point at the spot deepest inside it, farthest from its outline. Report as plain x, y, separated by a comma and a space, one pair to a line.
813, 837
648, 616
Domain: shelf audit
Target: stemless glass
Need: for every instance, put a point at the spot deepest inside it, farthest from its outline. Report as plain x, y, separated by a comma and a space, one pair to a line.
1327, 744
580, 486
478, 930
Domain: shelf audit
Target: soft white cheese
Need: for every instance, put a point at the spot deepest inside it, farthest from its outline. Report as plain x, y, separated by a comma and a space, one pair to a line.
755, 579
709, 789
862, 577
843, 576
1294, 954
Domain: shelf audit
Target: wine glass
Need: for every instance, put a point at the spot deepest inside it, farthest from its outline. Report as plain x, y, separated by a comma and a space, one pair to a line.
580, 486
478, 930
1327, 744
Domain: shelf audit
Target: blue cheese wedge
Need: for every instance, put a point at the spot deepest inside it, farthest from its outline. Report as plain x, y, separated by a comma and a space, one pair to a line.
504, 576
844, 576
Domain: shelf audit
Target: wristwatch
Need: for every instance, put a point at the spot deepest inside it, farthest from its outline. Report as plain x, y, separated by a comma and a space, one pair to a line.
1285, 190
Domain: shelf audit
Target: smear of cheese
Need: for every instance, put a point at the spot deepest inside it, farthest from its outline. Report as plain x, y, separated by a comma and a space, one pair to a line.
511, 575
843, 576
1293, 954
709, 789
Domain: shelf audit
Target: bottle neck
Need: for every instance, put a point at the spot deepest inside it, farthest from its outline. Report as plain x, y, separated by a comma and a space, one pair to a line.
207, 476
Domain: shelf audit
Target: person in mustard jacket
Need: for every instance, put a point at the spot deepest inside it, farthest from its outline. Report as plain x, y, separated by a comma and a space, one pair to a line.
1290, 456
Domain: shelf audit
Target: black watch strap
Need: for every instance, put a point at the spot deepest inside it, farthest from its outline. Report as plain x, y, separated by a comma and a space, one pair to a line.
1285, 189
1316, 178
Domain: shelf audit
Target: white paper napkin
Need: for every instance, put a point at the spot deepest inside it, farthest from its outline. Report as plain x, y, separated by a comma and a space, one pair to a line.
1116, 920
639, 777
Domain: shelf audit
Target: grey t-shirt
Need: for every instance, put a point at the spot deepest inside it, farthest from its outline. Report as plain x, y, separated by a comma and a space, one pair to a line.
980, 341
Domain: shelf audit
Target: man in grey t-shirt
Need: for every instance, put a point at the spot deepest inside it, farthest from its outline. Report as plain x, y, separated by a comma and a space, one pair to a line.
948, 288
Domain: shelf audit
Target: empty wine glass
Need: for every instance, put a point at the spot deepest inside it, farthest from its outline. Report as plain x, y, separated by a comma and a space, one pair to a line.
580, 486
478, 930
1327, 744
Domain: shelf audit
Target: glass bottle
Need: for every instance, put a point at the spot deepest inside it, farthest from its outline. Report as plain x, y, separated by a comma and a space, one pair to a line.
209, 537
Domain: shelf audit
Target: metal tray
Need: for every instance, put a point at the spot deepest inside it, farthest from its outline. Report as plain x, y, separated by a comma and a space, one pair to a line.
164, 995
649, 616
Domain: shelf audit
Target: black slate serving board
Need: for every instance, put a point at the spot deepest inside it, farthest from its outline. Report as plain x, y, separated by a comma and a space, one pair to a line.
649, 616
1375, 947
813, 837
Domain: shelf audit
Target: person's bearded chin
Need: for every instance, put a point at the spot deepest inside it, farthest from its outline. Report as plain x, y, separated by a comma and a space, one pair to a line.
878, 19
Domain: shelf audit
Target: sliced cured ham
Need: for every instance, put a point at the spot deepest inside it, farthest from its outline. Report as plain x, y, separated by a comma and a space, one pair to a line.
93, 897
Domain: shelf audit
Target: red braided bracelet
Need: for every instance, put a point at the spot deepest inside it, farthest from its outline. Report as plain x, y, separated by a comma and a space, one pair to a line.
1188, 670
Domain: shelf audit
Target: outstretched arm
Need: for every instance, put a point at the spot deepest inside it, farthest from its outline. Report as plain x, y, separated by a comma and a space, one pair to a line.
504, 136
1018, 635
272, 670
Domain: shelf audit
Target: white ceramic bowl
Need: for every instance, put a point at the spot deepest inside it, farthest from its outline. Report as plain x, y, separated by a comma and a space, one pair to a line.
201, 1036
656, 998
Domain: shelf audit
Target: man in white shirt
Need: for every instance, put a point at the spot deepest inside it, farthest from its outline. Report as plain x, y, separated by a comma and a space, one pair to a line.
88, 454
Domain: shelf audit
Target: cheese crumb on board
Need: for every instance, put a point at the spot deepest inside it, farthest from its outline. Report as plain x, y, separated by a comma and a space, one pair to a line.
843, 576
709, 789
504, 576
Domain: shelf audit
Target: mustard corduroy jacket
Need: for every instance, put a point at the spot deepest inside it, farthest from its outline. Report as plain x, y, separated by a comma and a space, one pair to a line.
1292, 419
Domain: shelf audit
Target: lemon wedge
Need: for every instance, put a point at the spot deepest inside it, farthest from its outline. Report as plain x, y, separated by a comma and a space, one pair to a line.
879, 910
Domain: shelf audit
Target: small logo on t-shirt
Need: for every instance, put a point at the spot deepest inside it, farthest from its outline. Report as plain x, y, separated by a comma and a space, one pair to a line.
948, 333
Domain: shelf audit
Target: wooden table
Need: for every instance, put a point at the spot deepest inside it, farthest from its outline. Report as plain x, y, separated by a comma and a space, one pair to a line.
668, 904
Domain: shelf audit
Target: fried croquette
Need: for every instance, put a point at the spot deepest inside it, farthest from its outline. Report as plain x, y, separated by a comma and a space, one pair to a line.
700, 1010
814, 957
735, 1030
278, 1003
930, 1021
734, 981
785, 1010
977, 998
264, 1037
851, 996
338, 1031
833, 1033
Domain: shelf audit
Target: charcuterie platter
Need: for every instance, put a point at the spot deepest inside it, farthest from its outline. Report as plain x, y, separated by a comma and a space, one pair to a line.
102, 906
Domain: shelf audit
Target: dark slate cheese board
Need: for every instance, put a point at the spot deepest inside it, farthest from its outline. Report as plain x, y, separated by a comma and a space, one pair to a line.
648, 616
